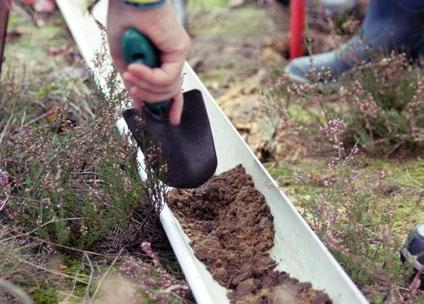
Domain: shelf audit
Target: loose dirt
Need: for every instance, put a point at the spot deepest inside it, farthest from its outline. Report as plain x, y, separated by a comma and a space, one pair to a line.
231, 228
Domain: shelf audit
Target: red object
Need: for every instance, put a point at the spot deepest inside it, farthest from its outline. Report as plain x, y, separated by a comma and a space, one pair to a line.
297, 26
5, 6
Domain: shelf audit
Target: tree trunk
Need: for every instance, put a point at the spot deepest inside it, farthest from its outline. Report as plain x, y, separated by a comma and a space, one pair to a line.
4, 16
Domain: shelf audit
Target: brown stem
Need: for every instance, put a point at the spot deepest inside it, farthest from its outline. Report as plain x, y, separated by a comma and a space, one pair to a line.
4, 17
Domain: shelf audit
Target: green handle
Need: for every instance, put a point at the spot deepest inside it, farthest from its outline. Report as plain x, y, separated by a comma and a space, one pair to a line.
137, 48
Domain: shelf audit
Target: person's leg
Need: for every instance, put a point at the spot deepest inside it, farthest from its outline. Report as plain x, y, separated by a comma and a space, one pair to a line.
388, 26
333, 7
412, 6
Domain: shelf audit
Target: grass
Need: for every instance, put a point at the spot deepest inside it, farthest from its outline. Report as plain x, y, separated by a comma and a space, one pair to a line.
392, 203
360, 199
76, 211
360, 214
367, 226
227, 41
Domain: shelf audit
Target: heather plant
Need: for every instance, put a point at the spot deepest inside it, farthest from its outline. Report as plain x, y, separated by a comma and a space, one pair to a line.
156, 282
385, 104
347, 215
382, 102
74, 181
376, 110
72, 202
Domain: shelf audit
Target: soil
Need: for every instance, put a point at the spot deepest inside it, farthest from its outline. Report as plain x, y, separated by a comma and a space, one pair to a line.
231, 229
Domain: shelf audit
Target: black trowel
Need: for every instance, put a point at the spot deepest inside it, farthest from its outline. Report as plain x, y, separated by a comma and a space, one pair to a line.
187, 149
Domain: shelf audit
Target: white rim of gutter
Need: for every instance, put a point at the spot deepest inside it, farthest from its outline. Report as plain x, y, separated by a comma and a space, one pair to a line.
87, 37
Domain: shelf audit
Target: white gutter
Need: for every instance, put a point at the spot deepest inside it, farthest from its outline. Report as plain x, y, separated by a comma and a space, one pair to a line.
297, 249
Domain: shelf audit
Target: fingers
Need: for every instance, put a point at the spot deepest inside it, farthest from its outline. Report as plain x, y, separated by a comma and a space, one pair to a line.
177, 102
176, 109
137, 104
155, 85
132, 80
164, 76
149, 96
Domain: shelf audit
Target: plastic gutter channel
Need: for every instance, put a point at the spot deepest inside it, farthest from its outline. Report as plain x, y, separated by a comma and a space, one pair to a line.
297, 249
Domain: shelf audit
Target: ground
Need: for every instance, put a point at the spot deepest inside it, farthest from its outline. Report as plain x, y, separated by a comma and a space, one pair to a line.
46, 86
247, 55
236, 50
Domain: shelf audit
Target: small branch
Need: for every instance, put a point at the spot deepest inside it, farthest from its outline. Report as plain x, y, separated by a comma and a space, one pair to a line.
50, 271
105, 274
37, 118
90, 279
39, 227
15, 291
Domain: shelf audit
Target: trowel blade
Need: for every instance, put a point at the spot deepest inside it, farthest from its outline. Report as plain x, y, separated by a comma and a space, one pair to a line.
188, 149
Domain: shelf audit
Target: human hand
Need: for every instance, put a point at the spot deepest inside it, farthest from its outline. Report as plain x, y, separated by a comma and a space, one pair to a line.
145, 84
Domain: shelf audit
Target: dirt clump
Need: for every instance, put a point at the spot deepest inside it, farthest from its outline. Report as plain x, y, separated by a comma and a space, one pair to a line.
231, 229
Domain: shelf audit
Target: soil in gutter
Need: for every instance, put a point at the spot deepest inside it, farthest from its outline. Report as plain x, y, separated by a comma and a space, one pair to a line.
231, 228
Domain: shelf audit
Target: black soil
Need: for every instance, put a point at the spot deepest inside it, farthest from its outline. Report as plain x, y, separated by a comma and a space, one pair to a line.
231, 228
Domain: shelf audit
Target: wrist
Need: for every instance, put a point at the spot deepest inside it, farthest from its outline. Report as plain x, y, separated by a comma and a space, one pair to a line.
145, 4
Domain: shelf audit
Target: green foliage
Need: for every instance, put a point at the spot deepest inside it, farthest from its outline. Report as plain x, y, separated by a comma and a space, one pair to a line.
382, 102
385, 105
74, 183
45, 295
348, 217
362, 217
72, 202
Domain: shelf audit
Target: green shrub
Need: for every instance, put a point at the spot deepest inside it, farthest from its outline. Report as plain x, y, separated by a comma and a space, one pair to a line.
74, 182
385, 104
382, 102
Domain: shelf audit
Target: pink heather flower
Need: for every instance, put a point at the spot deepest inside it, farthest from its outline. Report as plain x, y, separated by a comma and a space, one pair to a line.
147, 248
369, 108
334, 129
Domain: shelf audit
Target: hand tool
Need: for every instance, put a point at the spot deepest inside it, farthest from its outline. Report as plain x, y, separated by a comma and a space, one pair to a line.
188, 148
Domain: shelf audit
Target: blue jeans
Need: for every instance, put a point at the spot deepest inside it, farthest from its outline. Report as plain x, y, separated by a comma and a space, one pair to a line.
412, 6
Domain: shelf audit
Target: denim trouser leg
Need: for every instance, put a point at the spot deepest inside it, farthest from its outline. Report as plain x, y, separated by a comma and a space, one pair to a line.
412, 6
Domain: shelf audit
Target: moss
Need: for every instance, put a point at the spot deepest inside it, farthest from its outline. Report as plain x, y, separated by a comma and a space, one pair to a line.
403, 181
45, 295
300, 115
415, 173
198, 4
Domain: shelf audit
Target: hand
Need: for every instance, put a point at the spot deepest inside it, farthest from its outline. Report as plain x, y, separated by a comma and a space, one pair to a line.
169, 36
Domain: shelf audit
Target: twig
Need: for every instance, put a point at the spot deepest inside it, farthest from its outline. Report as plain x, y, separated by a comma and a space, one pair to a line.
74, 285
66, 247
37, 118
15, 291
39, 227
4, 202
89, 173
50, 271
408, 174
3, 133
90, 279
106, 273
387, 155
20, 11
